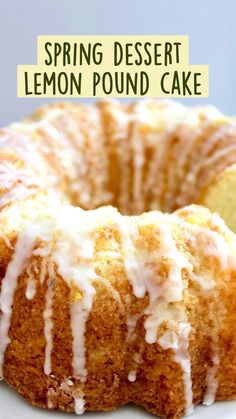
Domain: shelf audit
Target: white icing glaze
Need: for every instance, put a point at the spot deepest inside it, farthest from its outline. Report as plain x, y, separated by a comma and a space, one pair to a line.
71, 235
160, 296
49, 402
79, 405
75, 160
33, 123
131, 323
31, 283
79, 402
69, 158
47, 316
131, 335
183, 358
211, 380
29, 152
127, 229
23, 251
179, 342
171, 291
9, 174
213, 244
19, 191
132, 376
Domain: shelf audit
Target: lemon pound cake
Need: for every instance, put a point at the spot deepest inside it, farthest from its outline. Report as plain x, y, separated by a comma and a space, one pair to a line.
100, 309
136, 157
101, 306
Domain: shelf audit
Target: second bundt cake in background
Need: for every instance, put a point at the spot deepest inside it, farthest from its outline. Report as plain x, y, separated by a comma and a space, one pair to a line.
136, 157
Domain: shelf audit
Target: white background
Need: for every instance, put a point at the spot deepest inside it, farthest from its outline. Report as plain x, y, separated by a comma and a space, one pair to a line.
210, 24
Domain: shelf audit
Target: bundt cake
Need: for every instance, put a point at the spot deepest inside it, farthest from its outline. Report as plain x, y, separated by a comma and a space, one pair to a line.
101, 306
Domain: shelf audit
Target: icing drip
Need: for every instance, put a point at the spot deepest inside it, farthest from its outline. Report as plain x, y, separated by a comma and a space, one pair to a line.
25, 149
81, 275
144, 279
159, 310
132, 268
78, 271
23, 251
212, 383
131, 323
211, 375
48, 322
161, 295
75, 159
31, 283
79, 405
17, 183
35, 123
43, 271
36, 171
131, 335
132, 376
63, 151
179, 342
79, 315
9, 174
49, 402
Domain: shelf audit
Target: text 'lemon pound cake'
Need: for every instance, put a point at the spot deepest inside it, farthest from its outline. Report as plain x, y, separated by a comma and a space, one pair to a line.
101, 307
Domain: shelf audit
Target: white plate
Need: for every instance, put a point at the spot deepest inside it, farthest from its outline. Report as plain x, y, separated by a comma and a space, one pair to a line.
14, 407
